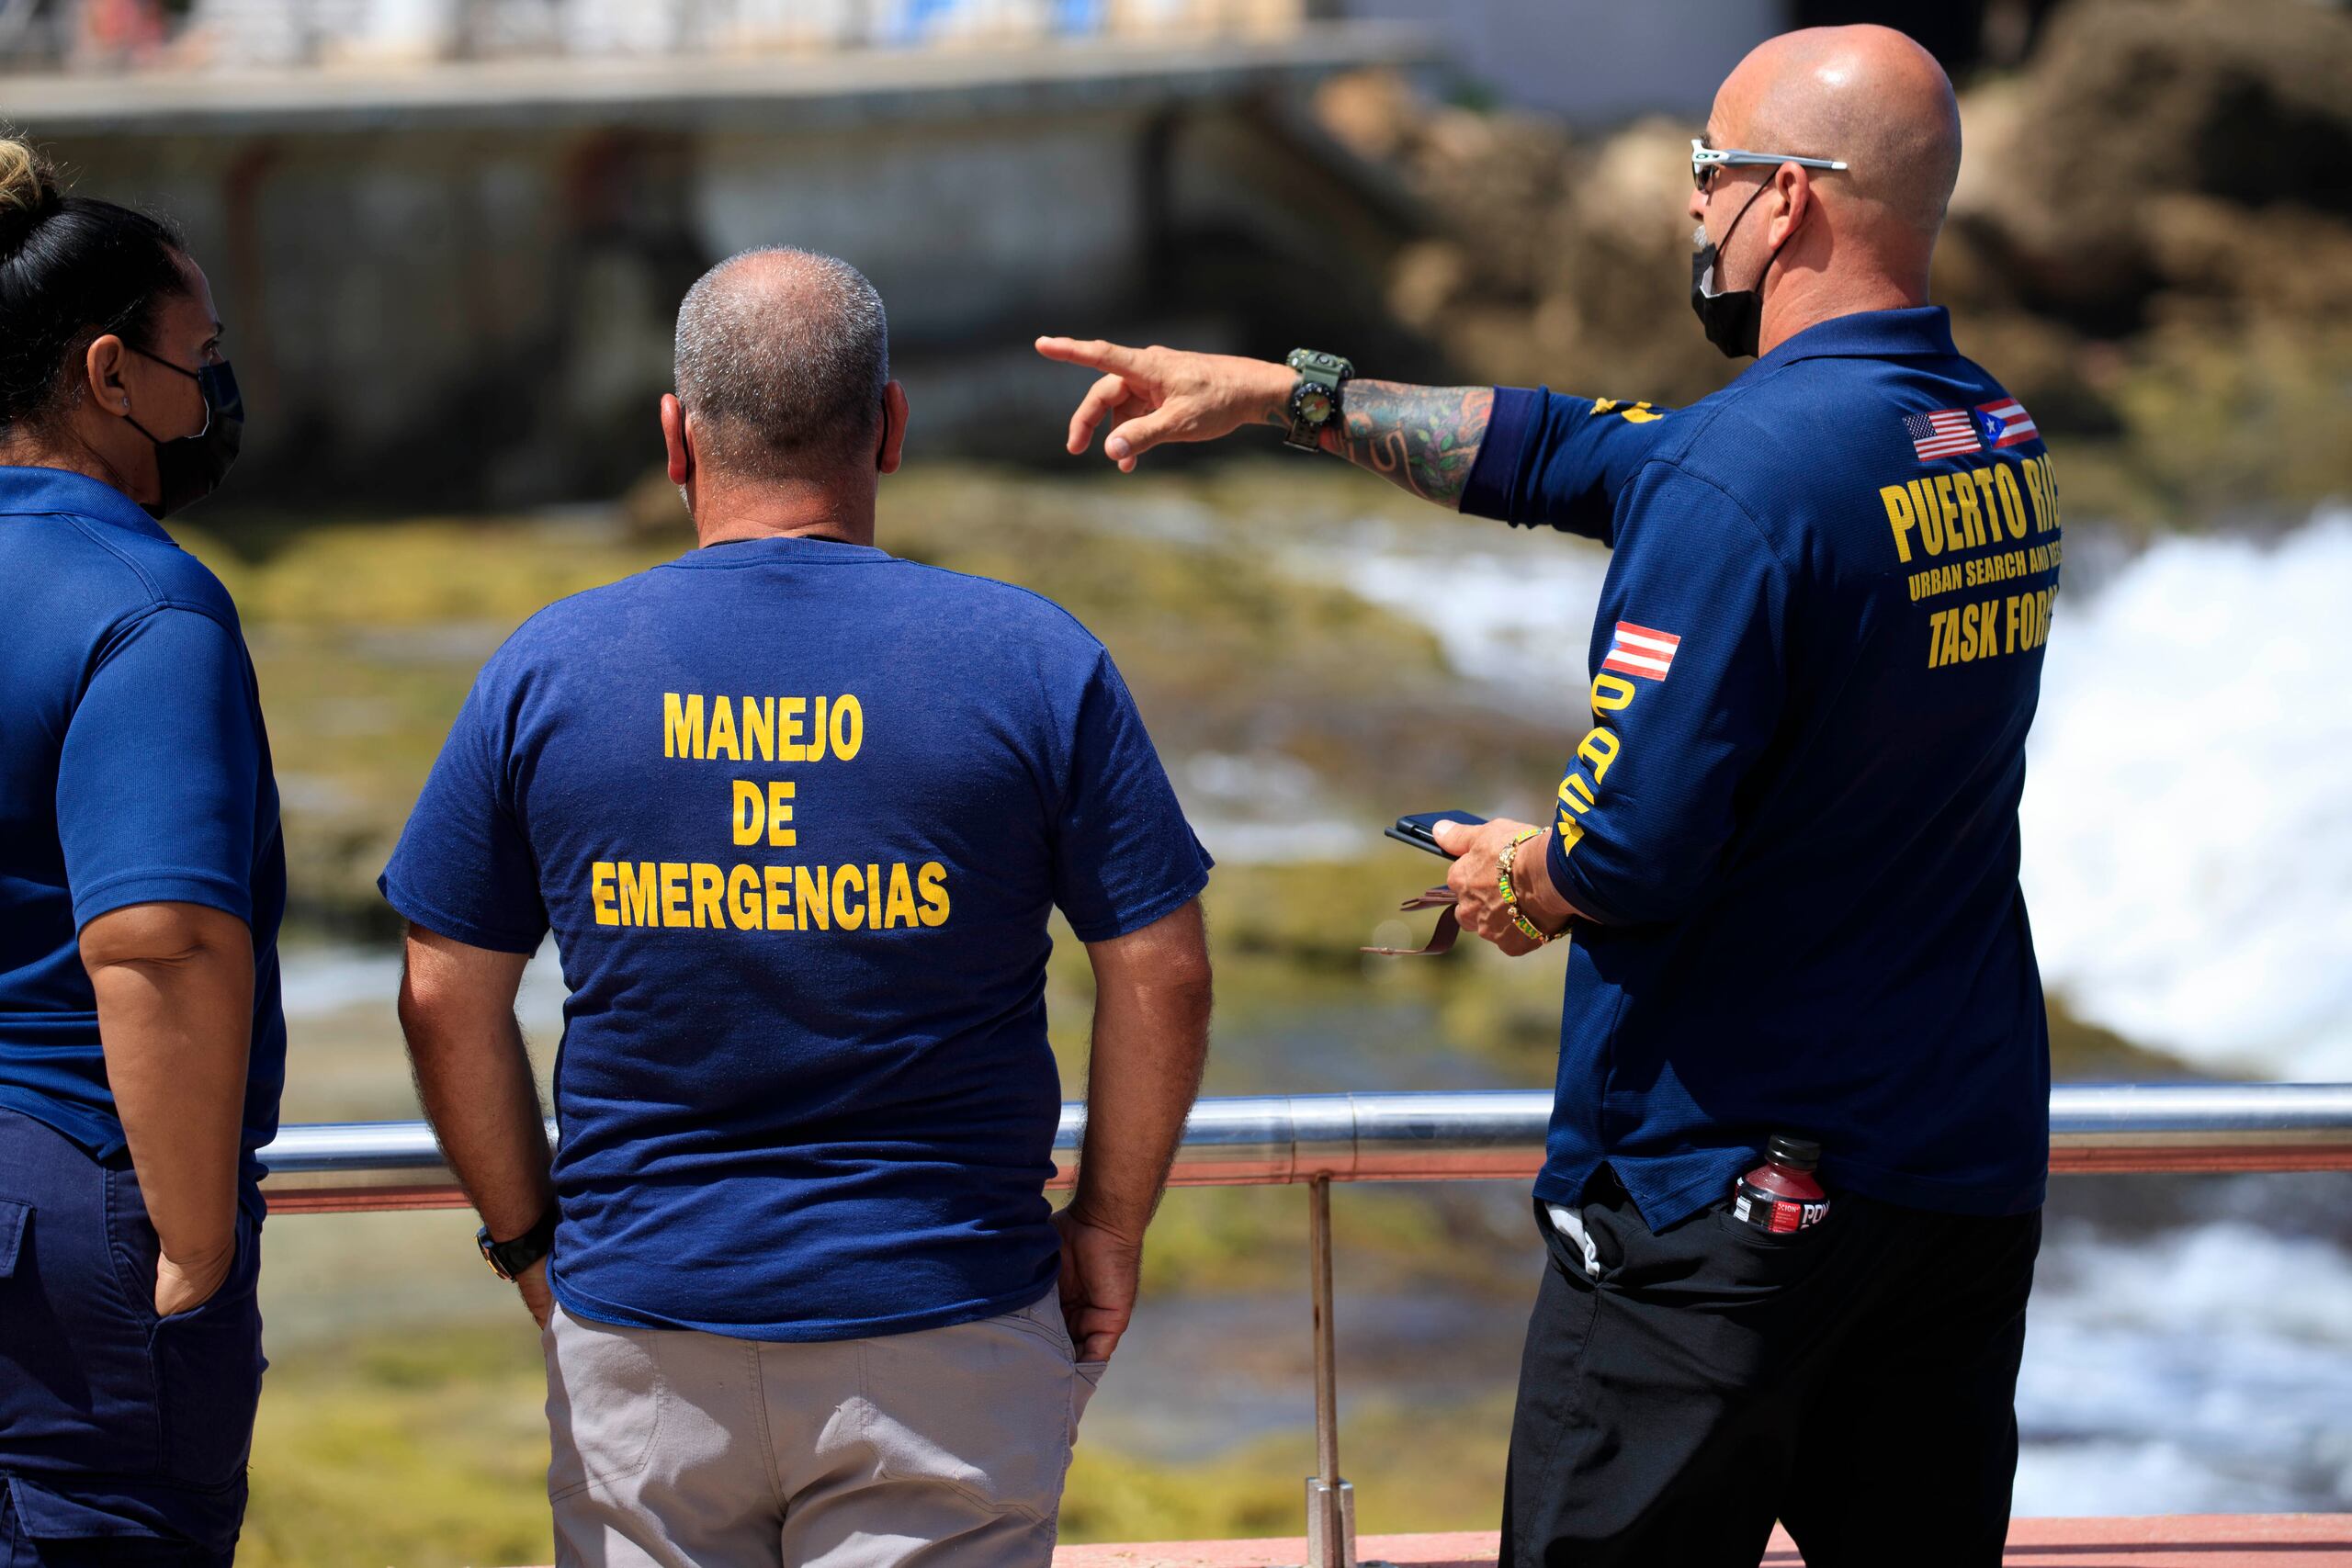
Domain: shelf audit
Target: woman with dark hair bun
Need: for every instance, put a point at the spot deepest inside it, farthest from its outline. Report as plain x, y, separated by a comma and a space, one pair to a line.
142, 882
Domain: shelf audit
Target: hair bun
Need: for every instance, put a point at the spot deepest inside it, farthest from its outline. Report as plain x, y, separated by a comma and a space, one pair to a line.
28, 192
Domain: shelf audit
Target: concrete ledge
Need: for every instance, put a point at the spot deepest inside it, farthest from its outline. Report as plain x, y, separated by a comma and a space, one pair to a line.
2180, 1541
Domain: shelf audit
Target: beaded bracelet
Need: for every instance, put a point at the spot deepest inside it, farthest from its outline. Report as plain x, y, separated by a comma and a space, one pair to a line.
1527, 928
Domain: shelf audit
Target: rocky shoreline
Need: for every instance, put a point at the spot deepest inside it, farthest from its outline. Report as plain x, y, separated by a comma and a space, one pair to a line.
2151, 244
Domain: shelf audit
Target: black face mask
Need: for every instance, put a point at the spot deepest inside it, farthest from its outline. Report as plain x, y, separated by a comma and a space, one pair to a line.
192, 467
1734, 317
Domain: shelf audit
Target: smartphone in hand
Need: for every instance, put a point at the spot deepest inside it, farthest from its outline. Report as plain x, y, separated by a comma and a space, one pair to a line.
1419, 830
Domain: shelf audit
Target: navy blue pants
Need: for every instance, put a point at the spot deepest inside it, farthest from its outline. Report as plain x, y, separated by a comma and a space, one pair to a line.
123, 1437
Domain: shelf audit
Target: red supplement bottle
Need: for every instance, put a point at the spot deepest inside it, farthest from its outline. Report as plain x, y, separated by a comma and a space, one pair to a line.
1781, 1194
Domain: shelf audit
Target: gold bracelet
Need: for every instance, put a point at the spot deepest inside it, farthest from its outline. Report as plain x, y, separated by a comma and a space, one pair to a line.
1527, 928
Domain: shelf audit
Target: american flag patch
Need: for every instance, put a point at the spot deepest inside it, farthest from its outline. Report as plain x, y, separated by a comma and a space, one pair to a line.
1947, 433
1637, 650
2004, 423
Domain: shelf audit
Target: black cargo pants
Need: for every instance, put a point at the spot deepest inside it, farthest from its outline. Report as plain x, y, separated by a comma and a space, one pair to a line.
1855, 1380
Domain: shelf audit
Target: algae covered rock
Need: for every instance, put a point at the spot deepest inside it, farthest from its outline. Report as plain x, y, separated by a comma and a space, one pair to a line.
2128, 105
2151, 244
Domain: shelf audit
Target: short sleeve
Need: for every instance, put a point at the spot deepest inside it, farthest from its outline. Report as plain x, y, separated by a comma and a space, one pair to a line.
158, 778
1124, 856
1549, 461
463, 868
1687, 689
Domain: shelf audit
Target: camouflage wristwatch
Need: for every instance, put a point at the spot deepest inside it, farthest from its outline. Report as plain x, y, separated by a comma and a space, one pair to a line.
1314, 397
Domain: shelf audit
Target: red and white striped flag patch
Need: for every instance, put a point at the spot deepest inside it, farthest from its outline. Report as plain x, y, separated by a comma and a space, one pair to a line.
2005, 423
1947, 433
1637, 650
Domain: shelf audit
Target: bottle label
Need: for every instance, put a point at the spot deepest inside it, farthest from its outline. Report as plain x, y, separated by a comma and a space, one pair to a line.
1751, 1206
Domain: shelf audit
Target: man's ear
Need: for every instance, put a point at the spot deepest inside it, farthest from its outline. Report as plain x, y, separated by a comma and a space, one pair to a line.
1794, 187
894, 428
673, 439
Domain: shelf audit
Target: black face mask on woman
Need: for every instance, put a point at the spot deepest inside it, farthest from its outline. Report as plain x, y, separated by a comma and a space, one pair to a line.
1732, 316
192, 467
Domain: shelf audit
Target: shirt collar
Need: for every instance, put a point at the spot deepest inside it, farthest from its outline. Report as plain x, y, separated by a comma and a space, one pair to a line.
1872, 334
32, 491
779, 546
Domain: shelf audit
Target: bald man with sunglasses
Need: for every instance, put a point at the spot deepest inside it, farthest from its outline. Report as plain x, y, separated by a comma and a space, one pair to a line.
1785, 847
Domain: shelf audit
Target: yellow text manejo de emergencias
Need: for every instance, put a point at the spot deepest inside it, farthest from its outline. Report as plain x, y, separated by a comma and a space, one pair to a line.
700, 895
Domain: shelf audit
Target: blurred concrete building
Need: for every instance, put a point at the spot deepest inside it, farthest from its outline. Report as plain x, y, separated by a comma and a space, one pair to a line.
449, 249
449, 235
237, 34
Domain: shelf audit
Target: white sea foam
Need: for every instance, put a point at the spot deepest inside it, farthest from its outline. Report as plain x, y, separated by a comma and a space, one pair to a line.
320, 980
2106, 1478
2208, 1368
1511, 611
2188, 816
1264, 809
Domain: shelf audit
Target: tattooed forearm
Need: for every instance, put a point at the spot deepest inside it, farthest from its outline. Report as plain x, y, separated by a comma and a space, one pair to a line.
1421, 439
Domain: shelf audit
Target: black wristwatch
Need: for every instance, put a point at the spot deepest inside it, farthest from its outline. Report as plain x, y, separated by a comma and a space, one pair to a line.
508, 1259
1315, 396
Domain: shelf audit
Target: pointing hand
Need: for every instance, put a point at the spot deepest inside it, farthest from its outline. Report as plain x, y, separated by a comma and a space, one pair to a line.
1156, 395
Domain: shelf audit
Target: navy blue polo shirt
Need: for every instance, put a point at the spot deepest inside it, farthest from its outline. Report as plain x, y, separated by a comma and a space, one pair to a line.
133, 770
797, 813
1817, 654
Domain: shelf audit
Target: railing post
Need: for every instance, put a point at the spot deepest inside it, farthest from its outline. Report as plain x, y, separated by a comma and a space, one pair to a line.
1330, 1502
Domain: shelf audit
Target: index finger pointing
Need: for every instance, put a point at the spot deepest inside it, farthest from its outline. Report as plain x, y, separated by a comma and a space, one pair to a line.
1092, 353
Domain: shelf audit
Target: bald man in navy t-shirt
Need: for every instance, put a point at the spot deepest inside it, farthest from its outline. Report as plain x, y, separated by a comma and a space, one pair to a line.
1786, 847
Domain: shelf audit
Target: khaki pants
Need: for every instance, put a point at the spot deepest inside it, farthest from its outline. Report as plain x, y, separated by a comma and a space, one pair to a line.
945, 1447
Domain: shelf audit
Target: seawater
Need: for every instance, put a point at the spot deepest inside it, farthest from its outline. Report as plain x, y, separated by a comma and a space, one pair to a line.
2201, 1368
2188, 818
2188, 829
2187, 868
2188, 814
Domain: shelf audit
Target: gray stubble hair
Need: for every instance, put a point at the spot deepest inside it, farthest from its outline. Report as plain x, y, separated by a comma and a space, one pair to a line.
781, 355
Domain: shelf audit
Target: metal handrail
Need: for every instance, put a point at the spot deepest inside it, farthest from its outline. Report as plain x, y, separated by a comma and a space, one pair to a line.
1497, 1135
1487, 1135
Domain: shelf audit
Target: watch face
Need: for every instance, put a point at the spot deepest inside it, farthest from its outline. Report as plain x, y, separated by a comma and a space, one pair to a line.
1315, 405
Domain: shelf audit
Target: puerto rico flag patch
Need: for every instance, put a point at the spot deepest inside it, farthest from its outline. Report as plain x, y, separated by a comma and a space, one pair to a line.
2004, 423
1637, 650
1946, 433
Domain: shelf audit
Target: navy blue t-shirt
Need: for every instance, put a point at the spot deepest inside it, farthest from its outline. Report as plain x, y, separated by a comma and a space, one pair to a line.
133, 770
796, 812
1817, 654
